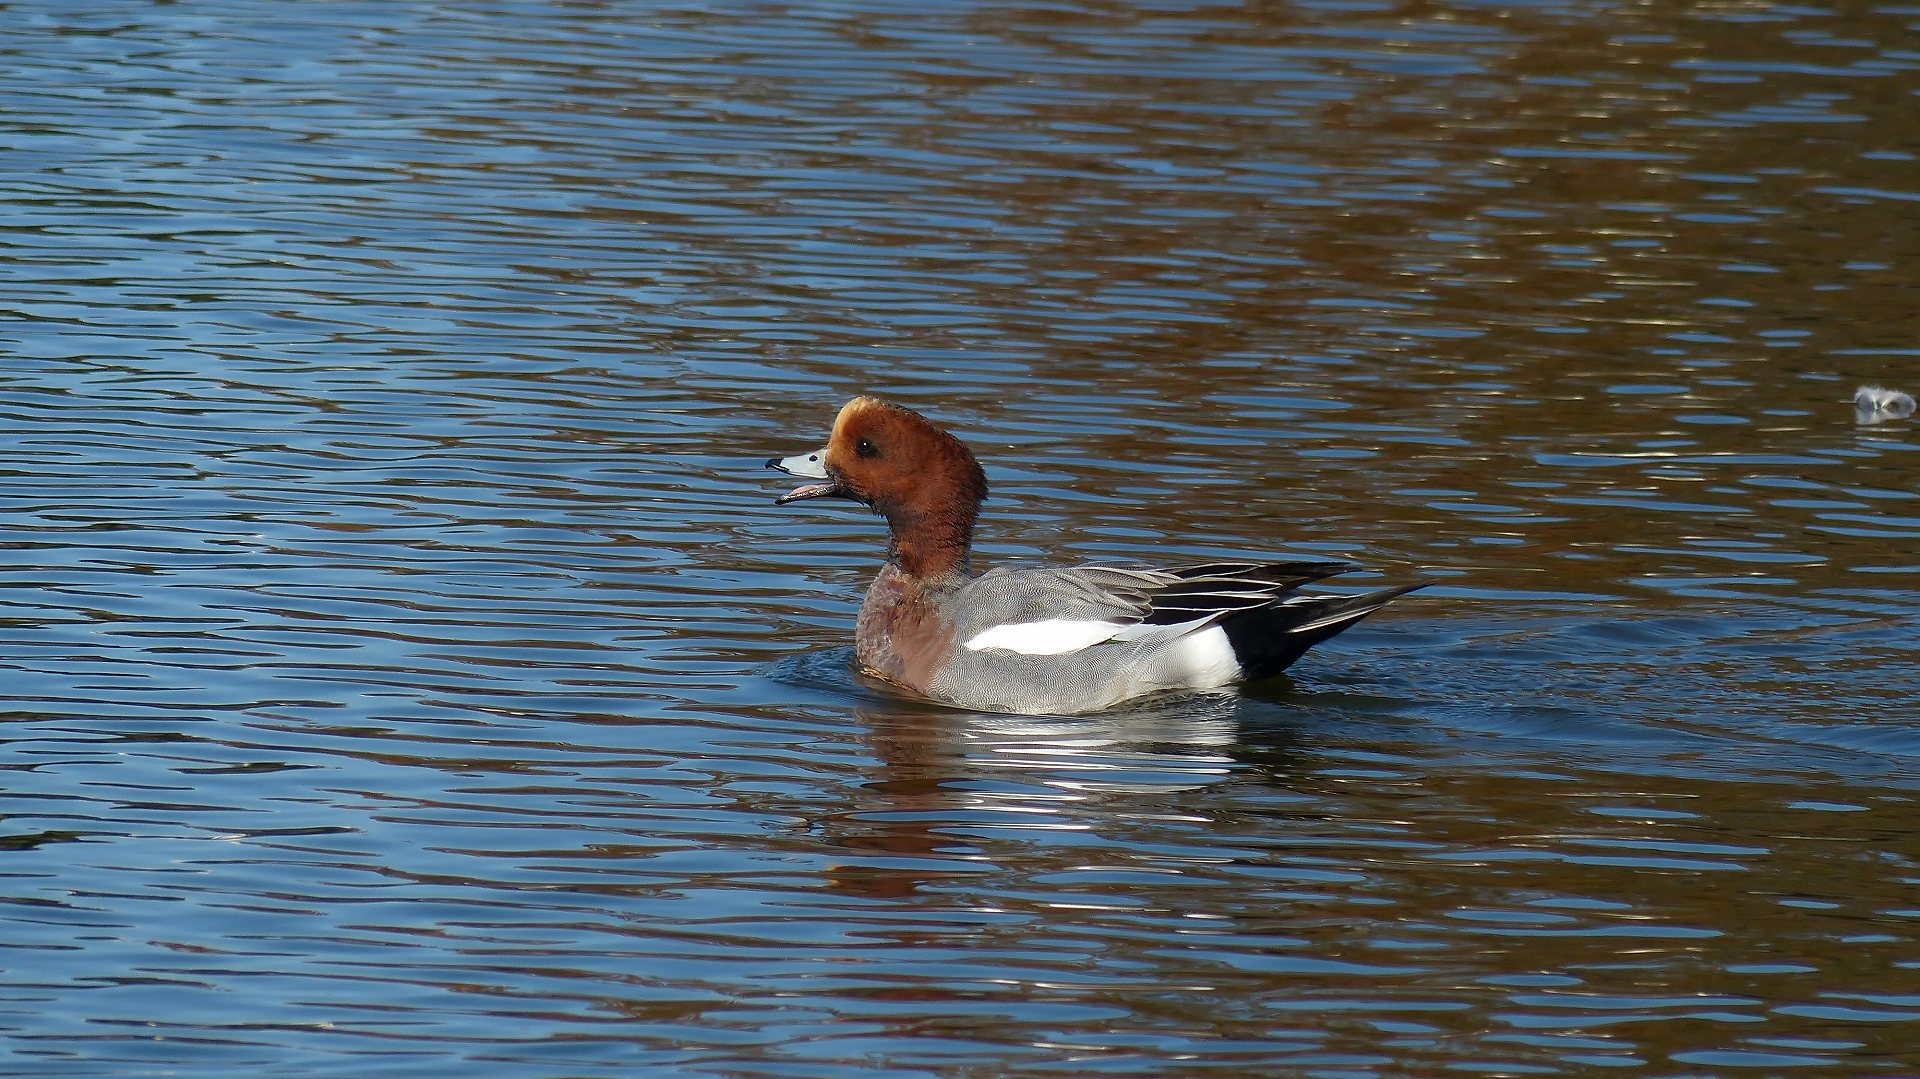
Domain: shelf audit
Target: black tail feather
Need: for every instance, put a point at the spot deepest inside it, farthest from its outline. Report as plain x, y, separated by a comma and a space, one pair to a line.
1268, 639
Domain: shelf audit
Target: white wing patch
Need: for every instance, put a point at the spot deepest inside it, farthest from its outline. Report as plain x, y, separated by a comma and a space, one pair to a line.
1051, 637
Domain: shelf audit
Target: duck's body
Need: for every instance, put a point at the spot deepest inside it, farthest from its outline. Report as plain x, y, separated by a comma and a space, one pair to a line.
1048, 641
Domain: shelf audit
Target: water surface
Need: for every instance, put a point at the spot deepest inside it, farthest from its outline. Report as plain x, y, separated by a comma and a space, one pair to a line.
404, 670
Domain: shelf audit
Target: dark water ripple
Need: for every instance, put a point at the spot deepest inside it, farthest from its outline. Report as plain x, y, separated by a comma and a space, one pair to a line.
403, 670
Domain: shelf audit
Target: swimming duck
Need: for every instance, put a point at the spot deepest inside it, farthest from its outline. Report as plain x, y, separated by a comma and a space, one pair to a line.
1044, 641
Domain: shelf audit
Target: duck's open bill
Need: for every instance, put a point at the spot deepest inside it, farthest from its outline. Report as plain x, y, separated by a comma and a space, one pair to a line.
810, 466
1055, 641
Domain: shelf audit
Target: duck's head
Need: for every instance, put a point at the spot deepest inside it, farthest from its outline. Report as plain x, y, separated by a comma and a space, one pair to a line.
893, 460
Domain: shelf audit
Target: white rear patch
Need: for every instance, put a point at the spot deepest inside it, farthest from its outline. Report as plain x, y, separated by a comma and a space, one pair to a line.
1206, 659
1052, 637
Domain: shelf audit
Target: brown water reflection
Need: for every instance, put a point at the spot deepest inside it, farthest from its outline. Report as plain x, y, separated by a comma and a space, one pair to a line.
1256, 886
405, 670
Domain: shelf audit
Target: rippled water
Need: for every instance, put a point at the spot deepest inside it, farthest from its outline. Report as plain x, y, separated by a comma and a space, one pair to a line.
405, 670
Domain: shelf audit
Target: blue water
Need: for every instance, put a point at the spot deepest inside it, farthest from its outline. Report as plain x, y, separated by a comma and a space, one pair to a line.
404, 670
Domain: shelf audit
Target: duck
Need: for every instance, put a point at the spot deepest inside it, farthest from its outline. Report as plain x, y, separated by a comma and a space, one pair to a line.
1044, 640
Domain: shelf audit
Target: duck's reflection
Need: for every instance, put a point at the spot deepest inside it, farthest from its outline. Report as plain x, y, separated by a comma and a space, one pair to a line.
956, 791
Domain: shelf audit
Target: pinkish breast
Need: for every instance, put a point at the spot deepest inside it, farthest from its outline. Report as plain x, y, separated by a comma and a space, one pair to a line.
900, 636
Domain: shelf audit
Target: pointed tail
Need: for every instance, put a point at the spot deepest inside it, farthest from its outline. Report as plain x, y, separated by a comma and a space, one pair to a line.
1266, 640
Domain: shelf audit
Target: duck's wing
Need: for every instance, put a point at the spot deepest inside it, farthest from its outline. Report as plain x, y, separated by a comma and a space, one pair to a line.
1215, 589
1060, 611
1050, 612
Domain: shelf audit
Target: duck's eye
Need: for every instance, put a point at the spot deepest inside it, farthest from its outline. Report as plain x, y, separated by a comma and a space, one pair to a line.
865, 448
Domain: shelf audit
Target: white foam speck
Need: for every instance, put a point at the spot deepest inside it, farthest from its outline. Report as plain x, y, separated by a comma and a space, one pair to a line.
1874, 404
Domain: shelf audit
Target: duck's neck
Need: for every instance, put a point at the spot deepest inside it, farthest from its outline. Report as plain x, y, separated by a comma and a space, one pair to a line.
930, 546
